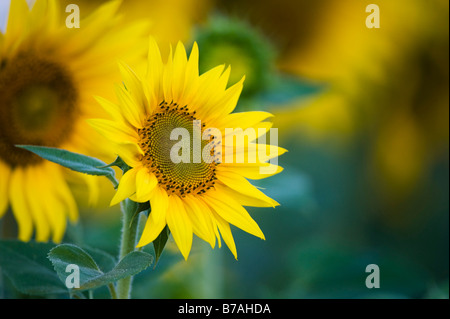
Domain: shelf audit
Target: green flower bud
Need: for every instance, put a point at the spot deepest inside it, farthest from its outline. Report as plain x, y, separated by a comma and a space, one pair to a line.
232, 42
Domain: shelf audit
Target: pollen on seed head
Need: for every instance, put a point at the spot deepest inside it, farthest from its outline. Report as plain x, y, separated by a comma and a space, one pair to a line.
177, 178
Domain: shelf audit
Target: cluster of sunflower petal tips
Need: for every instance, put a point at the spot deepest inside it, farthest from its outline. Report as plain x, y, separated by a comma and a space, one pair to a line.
183, 151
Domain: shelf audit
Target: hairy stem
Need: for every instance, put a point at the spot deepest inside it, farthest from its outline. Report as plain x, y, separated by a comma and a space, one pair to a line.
130, 226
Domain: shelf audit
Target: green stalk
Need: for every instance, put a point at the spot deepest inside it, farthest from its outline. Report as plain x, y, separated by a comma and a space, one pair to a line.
130, 226
112, 291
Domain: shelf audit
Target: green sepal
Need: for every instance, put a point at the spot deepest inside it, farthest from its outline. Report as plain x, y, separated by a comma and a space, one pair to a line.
160, 243
119, 162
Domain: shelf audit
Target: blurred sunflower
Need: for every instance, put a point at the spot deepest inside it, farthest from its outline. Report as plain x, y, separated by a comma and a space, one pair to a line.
385, 90
201, 197
170, 20
48, 75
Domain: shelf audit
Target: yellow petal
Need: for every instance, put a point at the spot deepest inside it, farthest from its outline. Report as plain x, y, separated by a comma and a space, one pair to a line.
200, 216
232, 212
243, 119
19, 12
238, 140
145, 183
128, 107
252, 132
191, 69
5, 173
130, 153
37, 12
93, 189
159, 201
133, 87
241, 185
180, 226
251, 171
54, 209
225, 231
156, 220
31, 190
216, 232
113, 131
127, 186
167, 77
19, 205
257, 153
179, 71
154, 72
227, 103
111, 108
62, 190
240, 198
53, 204
94, 25
205, 91
220, 85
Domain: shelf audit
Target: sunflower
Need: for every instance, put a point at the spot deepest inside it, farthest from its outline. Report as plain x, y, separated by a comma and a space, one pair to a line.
48, 75
203, 196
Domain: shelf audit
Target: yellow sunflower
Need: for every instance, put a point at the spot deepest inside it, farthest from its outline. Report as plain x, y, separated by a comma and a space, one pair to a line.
48, 75
202, 196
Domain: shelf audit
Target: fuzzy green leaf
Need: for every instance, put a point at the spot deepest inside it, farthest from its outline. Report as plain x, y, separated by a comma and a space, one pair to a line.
28, 269
74, 161
91, 276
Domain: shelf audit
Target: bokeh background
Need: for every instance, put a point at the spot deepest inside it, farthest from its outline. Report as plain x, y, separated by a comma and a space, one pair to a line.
364, 114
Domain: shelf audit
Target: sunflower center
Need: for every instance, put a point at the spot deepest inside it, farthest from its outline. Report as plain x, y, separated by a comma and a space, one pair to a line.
37, 106
177, 177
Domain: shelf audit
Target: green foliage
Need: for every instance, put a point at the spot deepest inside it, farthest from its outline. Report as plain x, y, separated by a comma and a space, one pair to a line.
27, 267
74, 161
88, 268
40, 269
91, 276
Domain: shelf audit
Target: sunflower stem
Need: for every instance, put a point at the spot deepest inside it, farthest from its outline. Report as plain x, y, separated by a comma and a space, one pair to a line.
112, 291
130, 226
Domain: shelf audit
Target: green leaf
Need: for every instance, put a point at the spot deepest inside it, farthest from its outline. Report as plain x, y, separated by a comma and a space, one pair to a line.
105, 261
160, 242
74, 161
91, 276
28, 268
130, 265
63, 255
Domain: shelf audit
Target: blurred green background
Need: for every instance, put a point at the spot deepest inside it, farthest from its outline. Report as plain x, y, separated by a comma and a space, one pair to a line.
364, 115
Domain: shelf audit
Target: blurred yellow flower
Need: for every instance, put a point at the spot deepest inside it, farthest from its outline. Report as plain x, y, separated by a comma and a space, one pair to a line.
170, 21
48, 75
191, 197
386, 87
